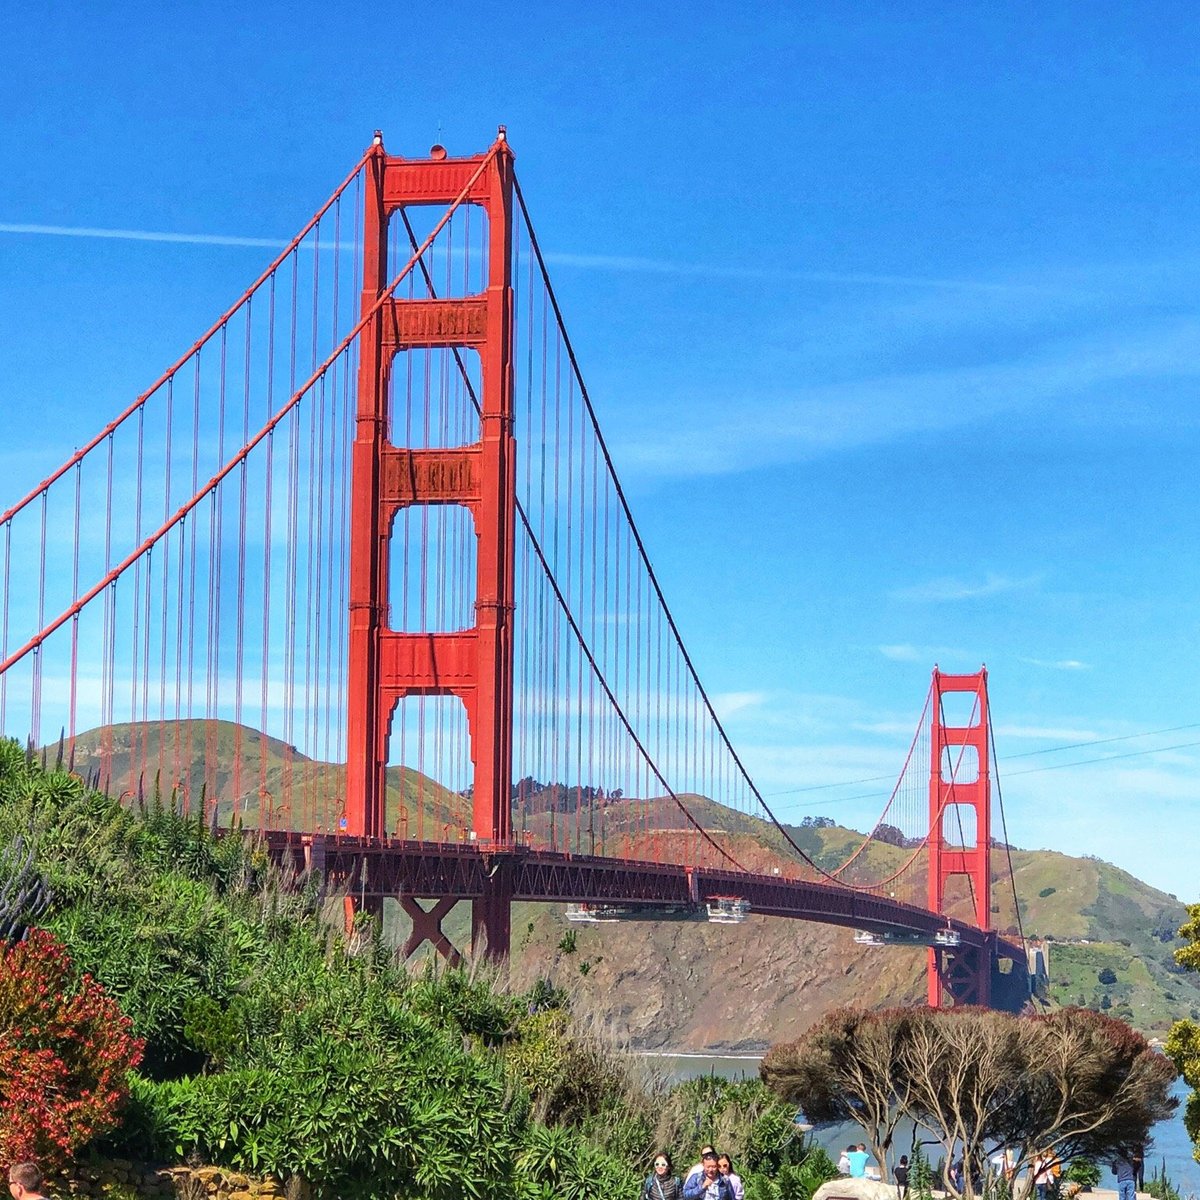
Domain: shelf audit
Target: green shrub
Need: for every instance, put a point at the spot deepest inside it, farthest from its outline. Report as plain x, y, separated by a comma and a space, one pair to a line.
794, 1181
1161, 1186
416, 1119
920, 1175
742, 1117
469, 1004
1084, 1172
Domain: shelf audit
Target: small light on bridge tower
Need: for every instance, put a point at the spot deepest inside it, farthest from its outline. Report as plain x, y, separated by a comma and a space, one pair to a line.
437, 152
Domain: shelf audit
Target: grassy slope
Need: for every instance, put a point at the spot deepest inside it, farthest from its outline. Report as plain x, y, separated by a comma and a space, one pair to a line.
1098, 917
249, 771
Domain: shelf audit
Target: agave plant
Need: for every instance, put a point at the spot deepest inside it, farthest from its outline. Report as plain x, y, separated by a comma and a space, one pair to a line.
24, 893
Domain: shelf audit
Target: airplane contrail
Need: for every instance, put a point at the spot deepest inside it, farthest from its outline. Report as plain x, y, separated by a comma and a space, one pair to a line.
141, 235
602, 262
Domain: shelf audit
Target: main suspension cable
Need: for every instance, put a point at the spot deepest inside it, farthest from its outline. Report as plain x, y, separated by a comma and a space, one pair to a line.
620, 491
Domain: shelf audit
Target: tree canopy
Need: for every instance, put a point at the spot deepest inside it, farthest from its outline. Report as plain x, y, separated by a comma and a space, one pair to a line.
1184, 1043
1071, 1082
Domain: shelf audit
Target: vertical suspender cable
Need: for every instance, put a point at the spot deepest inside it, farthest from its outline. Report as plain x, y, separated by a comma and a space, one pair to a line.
268, 551
240, 620
5, 593
164, 618
74, 596
108, 667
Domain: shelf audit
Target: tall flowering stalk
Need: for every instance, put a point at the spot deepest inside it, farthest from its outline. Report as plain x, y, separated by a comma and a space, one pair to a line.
65, 1051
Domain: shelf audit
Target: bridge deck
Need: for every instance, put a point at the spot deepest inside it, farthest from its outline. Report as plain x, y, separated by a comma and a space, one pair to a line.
374, 868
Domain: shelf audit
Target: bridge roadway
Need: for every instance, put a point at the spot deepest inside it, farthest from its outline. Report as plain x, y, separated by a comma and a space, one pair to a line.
373, 868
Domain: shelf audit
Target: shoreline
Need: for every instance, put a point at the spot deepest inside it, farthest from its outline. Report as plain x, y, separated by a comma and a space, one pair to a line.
698, 1054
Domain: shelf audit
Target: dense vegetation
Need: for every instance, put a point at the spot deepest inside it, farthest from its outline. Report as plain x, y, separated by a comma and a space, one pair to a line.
274, 1044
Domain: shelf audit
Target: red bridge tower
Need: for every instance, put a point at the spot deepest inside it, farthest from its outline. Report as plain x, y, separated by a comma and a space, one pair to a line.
960, 832
473, 664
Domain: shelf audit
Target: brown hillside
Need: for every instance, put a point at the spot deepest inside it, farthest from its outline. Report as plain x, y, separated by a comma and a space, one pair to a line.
249, 774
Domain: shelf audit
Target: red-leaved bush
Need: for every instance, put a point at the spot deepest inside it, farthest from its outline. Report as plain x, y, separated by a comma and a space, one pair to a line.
65, 1048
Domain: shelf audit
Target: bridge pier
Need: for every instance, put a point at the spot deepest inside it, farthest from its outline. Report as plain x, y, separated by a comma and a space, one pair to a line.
491, 914
427, 927
977, 975
372, 906
962, 975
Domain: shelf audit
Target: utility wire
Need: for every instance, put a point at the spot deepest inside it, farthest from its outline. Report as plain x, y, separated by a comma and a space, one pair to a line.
1100, 742
1084, 762
818, 787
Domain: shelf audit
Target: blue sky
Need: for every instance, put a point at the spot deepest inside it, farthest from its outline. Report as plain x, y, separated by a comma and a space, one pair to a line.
889, 313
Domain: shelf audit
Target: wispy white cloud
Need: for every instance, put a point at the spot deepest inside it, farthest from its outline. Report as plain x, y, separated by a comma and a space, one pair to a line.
950, 589
948, 657
1086, 810
728, 433
885, 728
1061, 664
716, 269
139, 235
784, 717
901, 653
729, 703
713, 269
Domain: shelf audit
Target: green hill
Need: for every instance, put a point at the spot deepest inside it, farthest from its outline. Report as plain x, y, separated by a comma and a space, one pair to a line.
1097, 917
249, 774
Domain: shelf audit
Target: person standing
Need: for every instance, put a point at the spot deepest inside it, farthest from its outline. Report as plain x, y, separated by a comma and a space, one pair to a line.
900, 1174
725, 1166
956, 1177
663, 1183
1137, 1158
710, 1184
25, 1181
1126, 1173
1043, 1176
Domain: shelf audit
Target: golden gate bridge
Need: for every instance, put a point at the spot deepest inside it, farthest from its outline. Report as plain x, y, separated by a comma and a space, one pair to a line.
357, 571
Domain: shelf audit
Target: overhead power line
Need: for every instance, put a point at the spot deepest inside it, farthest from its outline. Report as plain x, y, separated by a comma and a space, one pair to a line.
820, 787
